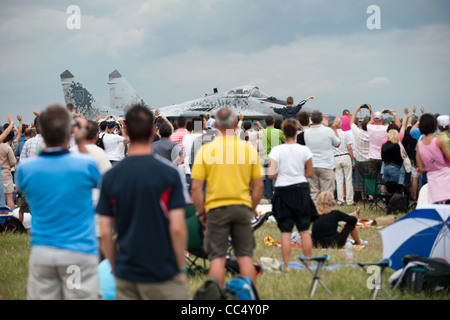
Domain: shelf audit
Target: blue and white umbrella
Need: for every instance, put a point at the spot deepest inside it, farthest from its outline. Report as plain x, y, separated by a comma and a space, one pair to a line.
424, 232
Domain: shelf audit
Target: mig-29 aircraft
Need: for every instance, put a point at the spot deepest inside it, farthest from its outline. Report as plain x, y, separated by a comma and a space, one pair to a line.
247, 100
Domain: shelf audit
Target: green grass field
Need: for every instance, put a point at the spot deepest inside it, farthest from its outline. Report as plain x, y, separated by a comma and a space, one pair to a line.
346, 283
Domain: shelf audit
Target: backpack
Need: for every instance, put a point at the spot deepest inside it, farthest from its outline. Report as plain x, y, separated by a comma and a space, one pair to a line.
14, 225
243, 288
425, 274
211, 290
99, 142
397, 203
232, 265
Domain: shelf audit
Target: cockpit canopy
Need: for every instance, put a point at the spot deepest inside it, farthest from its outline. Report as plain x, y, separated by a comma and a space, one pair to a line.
246, 92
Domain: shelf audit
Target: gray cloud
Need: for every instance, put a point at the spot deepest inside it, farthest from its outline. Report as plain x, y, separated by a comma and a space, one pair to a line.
177, 50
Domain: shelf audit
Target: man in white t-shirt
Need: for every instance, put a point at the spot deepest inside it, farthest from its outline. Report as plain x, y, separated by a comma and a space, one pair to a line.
113, 141
321, 140
343, 161
198, 125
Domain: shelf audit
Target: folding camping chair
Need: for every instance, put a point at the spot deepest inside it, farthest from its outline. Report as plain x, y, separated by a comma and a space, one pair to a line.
195, 243
379, 271
321, 260
373, 189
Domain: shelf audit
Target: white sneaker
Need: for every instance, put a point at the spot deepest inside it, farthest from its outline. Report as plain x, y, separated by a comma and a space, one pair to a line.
363, 242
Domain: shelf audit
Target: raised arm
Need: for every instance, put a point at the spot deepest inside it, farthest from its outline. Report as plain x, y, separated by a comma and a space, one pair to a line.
19, 132
405, 116
7, 130
353, 119
411, 117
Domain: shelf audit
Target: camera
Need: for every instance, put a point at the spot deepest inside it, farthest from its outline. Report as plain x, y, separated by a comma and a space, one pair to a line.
364, 106
386, 111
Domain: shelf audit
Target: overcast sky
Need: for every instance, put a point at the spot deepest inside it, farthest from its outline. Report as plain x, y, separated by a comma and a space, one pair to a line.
173, 51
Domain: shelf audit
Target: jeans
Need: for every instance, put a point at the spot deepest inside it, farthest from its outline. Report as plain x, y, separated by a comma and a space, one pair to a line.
391, 173
402, 174
2, 193
188, 183
268, 184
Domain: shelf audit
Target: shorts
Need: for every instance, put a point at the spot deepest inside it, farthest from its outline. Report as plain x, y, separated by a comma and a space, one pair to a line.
375, 167
172, 289
221, 222
59, 274
292, 205
361, 167
8, 185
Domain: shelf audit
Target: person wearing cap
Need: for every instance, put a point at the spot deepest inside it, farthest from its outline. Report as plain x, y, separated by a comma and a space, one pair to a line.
443, 126
377, 132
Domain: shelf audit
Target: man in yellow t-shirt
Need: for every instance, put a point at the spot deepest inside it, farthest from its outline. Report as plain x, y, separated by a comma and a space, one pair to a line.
232, 172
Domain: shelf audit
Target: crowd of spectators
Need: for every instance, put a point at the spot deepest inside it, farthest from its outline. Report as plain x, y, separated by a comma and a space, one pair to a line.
111, 188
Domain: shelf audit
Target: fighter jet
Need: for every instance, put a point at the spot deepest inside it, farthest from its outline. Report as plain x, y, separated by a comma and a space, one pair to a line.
77, 94
247, 100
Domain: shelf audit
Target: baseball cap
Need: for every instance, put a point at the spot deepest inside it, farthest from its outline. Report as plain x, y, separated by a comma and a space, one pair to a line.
111, 124
378, 116
443, 121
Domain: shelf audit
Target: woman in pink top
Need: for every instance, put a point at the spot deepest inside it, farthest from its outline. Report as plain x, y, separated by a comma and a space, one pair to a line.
433, 156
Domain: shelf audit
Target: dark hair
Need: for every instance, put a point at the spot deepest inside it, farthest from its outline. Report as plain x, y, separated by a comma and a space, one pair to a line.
181, 122
269, 120
10, 136
37, 124
427, 124
392, 126
289, 128
289, 101
247, 125
92, 130
316, 116
303, 118
165, 130
70, 107
277, 123
364, 124
55, 123
139, 123
103, 125
28, 132
189, 126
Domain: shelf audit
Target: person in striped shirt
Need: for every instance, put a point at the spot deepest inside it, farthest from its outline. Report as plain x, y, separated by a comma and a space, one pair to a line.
179, 134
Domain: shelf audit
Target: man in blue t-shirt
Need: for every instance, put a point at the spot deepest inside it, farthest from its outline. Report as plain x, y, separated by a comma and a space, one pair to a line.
58, 185
143, 199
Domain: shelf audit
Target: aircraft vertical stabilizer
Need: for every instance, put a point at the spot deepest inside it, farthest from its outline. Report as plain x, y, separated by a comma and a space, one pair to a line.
122, 95
77, 94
